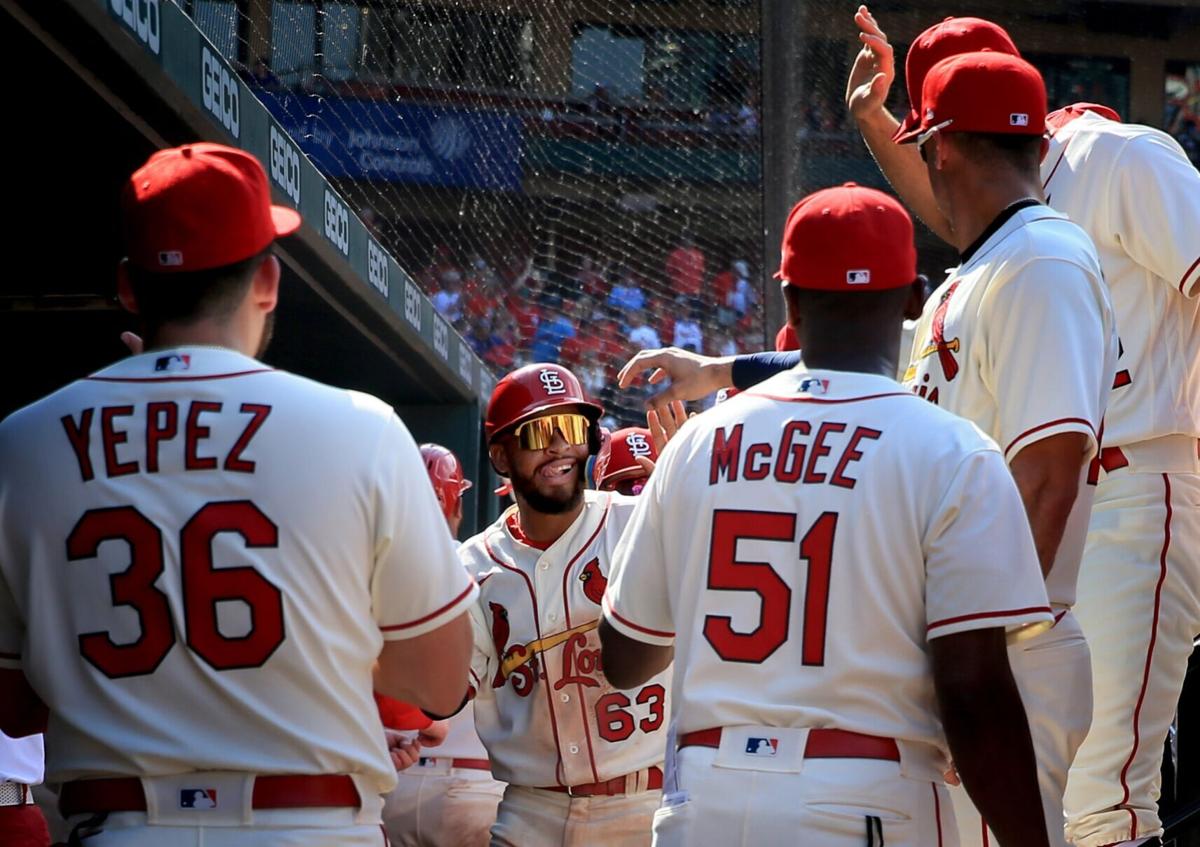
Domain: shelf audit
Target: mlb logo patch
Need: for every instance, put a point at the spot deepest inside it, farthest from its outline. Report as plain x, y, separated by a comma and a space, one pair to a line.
860, 277
1018, 119
812, 385
762, 746
197, 798
172, 363
170, 258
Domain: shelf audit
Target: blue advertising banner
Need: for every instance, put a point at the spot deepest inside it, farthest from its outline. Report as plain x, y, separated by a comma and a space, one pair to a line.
386, 141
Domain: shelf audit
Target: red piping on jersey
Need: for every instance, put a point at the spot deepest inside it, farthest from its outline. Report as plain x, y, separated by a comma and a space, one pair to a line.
937, 811
980, 615
567, 612
1195, 264
575, 558
820, 400
1137, 710
176, 378
1054, 169
431, 615
608, 608
537, 626
1047, 425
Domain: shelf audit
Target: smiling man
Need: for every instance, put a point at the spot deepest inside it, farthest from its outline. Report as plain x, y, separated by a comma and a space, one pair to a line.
582, 759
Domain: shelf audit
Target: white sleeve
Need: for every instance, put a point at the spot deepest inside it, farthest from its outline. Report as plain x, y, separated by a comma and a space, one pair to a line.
1154, 203
418, 583
636, 602
484, 661
981, 568
1047, 354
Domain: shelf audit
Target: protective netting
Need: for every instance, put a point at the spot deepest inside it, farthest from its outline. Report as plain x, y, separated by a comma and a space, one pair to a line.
564, 187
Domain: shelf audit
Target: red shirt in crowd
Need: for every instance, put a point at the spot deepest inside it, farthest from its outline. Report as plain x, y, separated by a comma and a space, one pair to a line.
685, 269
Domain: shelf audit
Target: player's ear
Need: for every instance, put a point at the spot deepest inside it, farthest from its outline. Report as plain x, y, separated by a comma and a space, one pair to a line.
264, 287
918, 293
499, 459
125, 288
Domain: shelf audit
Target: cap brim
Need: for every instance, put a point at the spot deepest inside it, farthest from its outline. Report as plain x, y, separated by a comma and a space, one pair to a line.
910, 125
286, 220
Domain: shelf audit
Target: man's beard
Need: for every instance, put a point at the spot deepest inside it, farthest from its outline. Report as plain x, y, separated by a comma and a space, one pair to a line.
548, 505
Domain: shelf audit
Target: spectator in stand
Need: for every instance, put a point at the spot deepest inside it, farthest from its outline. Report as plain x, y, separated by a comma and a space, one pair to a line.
448, 299
742, 297
688, 334
627, 295
482, 338
481, 294
721, 343
641, 335
590, 280
554, 328
503, 351
685, 267
523, 303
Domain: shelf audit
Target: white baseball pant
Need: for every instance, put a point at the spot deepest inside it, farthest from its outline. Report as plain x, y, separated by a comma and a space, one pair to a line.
533, 817
1053, 672
437, 805
1139, 604
230, 821
829, 803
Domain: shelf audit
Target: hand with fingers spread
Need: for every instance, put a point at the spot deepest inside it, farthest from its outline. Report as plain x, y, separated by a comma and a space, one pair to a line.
692, 375
664, 422
874, 68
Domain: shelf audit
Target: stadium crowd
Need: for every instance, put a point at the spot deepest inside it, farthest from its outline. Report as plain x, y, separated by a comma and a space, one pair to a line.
593, 316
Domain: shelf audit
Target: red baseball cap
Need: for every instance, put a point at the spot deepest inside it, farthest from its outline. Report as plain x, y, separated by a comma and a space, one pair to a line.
948, 38
1059, 118
200, 206
848, 238
786, 339
982, 92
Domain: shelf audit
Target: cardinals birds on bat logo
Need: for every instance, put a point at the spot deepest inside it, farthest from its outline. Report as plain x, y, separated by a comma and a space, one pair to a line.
500, 636
937, 337
593, 581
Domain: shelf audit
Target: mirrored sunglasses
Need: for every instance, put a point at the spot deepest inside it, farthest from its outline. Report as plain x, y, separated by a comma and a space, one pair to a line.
538, 434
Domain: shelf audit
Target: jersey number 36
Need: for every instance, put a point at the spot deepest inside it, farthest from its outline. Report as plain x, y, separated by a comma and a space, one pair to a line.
203, 587
727, 573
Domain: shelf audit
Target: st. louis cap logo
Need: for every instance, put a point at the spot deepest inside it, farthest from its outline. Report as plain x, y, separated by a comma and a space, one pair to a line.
551, 381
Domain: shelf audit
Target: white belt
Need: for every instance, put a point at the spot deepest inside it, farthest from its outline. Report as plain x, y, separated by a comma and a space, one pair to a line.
1166, 454
14, 794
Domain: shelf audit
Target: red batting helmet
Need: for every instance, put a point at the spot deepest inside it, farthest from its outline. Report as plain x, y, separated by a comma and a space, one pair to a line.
446, 474
534, 390
619, 458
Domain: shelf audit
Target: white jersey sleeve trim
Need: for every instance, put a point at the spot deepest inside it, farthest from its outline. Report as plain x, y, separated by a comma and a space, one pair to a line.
1056, 427
433, 620
635, 631
1192, 288
1007, 618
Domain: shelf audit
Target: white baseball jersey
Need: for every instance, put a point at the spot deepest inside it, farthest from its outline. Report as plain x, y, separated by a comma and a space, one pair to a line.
1136, 194
543, 708
1020, 339
200, 560
802, 543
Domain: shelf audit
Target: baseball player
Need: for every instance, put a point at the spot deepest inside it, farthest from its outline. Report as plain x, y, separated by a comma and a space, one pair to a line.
448, 798
834, 563
581, 757
618, 467
1132, 189
199, 610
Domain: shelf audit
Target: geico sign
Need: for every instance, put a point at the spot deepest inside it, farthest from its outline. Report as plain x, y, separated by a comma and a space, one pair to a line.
412, 305
285, 164
142, 18
464, 362
377, 267
219, 92
337, 223
441, 338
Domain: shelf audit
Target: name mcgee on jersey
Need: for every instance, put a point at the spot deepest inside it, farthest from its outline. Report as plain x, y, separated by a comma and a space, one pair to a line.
800, 455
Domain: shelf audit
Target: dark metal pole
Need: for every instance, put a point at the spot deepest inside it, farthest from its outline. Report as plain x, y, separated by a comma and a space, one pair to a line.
782, 53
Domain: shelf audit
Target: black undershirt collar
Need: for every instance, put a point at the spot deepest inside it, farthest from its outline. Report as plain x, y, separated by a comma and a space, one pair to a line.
1001, 220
